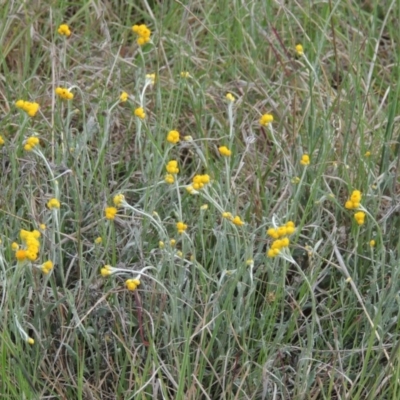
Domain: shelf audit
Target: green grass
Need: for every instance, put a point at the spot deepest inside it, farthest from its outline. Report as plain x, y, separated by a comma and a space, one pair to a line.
213, 316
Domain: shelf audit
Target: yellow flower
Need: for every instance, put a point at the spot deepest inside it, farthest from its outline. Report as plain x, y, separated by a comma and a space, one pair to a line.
110, 212
185, 74
188, 138
30, 341
305, 159
14, 246
227, 215
161, 244
132, 284
299, 49
372, 243
42, 227
354, 201
224, 151
367, 154
151, 78
107, 270
64, 93
200, 180
46, 267
173, 137
124, 97
295, 180
139, 112
143, 32
181, 227
98, 240
230, 97
30, 108
273, 252
172, 167
237, 221
169, 178
63, 30
53, 203
266, 119
204, 207
360, 217
21, 255
30, 143
118, 200
1, 140
190, 189
172, 242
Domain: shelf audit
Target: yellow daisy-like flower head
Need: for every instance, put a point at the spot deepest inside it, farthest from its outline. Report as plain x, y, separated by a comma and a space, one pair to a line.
237, 221
181, 227
53, 204
46, 267
173, 137
139, 112
132, 284
118, 200
110, 212
31, 143
169, 178
224, 151
299, 49
1, 140
123, 97
172, 167
266, 119
64, 30
360, 217
305, 159
230, 97
64, 93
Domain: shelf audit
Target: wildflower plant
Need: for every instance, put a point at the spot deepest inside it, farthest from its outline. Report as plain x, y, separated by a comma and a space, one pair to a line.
144, 210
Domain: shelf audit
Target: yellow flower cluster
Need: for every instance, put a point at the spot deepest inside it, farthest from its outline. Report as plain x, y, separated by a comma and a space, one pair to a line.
299, 49
30, 143
280, 234
235, 220
64, 30
143, 32
118, 200
305, 159
169, 178
200, 180
360, 217
181, 227
172, 167
53, 203
354, 201
64, 93
107, 270
31, 245
139, 112
124, 97
230, 97
224, 151
46, 267
1, 140
31, 108
173, 137
266, 119
110, 212
132, 284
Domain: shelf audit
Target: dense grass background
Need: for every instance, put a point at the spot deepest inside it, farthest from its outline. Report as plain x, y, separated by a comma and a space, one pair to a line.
213, 318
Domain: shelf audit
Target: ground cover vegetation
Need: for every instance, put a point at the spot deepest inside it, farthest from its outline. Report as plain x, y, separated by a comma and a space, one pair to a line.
199, 200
